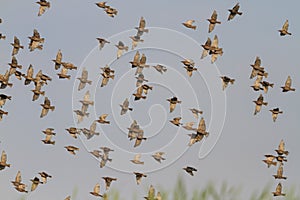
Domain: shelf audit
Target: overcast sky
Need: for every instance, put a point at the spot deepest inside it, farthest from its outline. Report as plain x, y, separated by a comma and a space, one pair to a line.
73, 26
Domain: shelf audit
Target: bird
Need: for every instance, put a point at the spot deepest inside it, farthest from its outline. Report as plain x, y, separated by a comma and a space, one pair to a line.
213, 21
279, 174
146, 88
102, 42
281, 159
69, 65
206, 48
96, 153
46, 107
173, 101
102, 4
68, 198
215, 50
160, 68
16, 46
21, 188
89, 133
18, 179
72, 149
256, 85
141, 29
108, 181
189, 126
29, 76
259, 102
36, 41
107, 74
270, 160
275, 112
2, 37
234, 11
189, 24
35, 182
225, 81
111, 11
49, 131
106, 150
14, 65
2, 112
139, 93
176, 121
139, 176
43, 6
158, 156
136, 60
287, 85
266, 85
4, 80
257, 68
42, 78
140, 137
188, 62
44, 177
121, 48
125, 107
140, 79
86, 102
278, 190
3, 98
83, 79
96, 191
102, 119
189, 70
63, 74
284, 30
281, 149
134, 130
141, 65
37, 92
195, 137
190, 170
3, 161
196, 112
135, 40
202, 127
48, 140
58, 60
136, 159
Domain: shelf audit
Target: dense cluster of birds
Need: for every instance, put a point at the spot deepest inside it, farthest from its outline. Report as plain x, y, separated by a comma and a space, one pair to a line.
273, 160
135, 132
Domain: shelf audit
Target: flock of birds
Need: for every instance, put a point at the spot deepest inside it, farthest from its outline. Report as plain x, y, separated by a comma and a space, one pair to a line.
135, 132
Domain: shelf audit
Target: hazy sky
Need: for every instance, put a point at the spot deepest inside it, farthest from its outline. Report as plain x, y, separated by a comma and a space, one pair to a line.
73, 26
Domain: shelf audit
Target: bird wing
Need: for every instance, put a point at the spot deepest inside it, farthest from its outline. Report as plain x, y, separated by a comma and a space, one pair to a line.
214, 16
190, 22
281, 145
142, 23
18, 178
42, 10
86, 96
260, 98
84, 74
143, 60
201, 126
215, 42
285, 25
3, 157
30, 71
97, 188
288, 82
93, 126
44, 112
103, 117
48, 138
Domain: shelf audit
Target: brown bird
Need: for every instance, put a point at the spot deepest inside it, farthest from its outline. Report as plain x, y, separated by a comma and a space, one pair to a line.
3, 161
140, 137
259, 102
86, 102
225, 81
89, 133
111, 11
140, 79
176, 121
136, 60
29, 76
287, 86
215, 50
37, 92
257, 69
278, 191
189, 70
202, 128
3, 99
46, 107
206, 48
83, 79
234, 11
21, 188
141, 64
42, 78
270, 160
35, 182
173, 101
266, 85
281, 149
4, 80
279, 174
135, 40
48, 140
158, 156
16, 46
139, 93
14, 65
96, 153
213, 21
63, 74
36, 41
134, 130
125, 107
107, 74
195, 138
160, 68
121, 48
102, 4
49, 131
275, 112
108, 181
189, 126
136, 159
256, 85
18, 179
139, 176
196, 112
146, 88
141, 29
102, 119
80, 115
189, 24
102, 42
96, 191
73, 132
44, 176
69, 65
2, 112
284, 30
72, 149
190, 170
58, 60
43, 6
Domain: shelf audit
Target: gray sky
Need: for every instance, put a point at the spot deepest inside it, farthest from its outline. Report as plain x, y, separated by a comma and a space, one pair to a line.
73, 26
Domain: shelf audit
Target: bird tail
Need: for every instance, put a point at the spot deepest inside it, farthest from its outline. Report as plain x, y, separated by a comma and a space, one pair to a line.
10, 84
89, 82
52, 142
239, 13
52, 108
43, 93
292, 89
40, 47
131, 109
3, 37
9, 97
271, 85
265, 103
232, 81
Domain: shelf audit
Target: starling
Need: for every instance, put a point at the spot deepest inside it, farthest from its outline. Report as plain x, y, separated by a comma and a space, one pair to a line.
275, 112
173, 101
213, 21
287, 86
234, 11
125, 107
189, 24
190, 170
43, 6
284, 30
83, 79
16, 46
46, 107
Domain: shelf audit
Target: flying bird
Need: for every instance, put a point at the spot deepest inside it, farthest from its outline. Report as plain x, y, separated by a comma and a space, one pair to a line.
3, 98
259, 102
83, 79
284, 30
89, 133
43, 6
48, 140
63, 74
86, 102
287, 85
3, 161
176, 121
225, 81
102, 4
96, 191
278, 191
234, 11
102, 119
108, 181
279, 174
160, 68
275, 112
121, 48
196, 112
141, 29
2, 112
139, 93
202, 127
256, 85
125, 107
190, 170
102, 42
281, 149
189, 126
136, 159
18, 179
140, 137
16, 46
266, 85
213, 21
36, 41
35, 182
206, 48
44, 177
72, 149
46, 107
173, 101
158, 156
189, 24
270, 160
215, 50
58, 60
136, 60
139, 176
